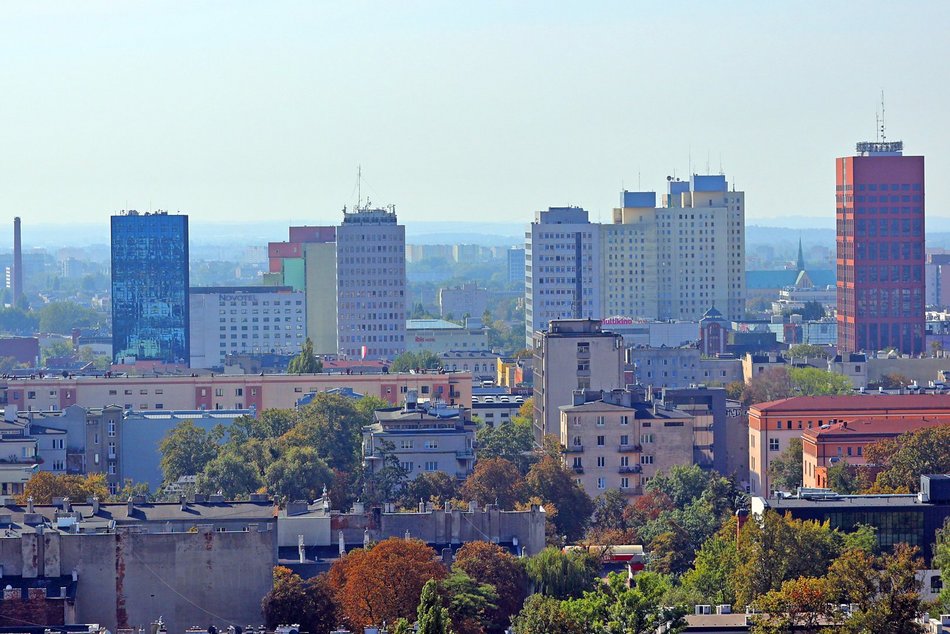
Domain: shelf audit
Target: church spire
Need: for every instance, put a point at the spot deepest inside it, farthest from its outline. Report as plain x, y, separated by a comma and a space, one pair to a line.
801, 256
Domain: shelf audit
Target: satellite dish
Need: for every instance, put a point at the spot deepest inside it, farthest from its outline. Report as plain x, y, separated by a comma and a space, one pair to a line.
669, 178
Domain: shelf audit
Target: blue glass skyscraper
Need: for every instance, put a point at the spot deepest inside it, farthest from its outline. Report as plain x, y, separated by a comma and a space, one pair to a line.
150, 287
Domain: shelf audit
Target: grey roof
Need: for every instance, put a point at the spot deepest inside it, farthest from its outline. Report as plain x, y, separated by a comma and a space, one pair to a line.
643, 411
153, 512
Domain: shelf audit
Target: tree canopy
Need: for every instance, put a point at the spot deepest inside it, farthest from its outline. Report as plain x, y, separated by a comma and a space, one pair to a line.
306, 362
904, 459
43, 486
422, 360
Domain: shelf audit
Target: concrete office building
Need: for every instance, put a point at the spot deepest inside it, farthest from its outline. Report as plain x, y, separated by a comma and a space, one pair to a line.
215, 392
880, 240
245, 320
371, 284
681, 367
516, 262
354, 276
150, 287
441, 336
465, 301
562, 269
425, 437
572, 354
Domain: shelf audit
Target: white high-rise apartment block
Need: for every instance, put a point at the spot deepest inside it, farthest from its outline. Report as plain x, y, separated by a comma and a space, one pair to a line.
562, 268
669, 262
371, 284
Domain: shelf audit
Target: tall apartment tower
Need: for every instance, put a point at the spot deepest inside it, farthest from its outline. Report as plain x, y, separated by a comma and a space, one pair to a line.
371, 284
562, 269
680, 259
150, 287
880, 241
569, 355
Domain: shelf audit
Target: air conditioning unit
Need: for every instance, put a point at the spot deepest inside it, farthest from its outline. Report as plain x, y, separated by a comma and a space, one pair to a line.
724, 608
703, 609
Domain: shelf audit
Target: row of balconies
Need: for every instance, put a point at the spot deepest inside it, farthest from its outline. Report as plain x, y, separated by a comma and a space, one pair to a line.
620, 448
623, 469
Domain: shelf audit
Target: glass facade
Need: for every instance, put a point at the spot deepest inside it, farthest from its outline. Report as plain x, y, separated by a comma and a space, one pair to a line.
150, 287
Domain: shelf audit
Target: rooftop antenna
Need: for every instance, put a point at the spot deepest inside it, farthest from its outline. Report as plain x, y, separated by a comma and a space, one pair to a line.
720, 164
638, 181
359, 182
707, 161
690, 160
883, 132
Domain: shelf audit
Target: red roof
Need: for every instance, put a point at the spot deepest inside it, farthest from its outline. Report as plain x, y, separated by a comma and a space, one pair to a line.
855, 403
874, 427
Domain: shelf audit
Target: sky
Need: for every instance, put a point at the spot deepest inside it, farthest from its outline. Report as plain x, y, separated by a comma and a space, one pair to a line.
238, 111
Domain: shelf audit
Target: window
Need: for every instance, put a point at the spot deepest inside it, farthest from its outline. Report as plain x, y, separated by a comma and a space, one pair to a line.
646, 439
601, 441
219, 391
59, 443
406, 466
624, 483
432, 465
431, 444
601, 420
646, 459
860, 451
624, 440
239, 391
405, 444
601, 461
773, 444
112, 450
624, 420
578, 463
624, 461
601, 483
110, 429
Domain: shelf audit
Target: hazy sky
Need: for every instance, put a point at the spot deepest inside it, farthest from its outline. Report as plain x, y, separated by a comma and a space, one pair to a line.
456, 110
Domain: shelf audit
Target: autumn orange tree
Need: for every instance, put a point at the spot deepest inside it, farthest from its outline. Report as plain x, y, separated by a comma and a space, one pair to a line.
384, 582
43, 486
489, 563
494, 480
904, 459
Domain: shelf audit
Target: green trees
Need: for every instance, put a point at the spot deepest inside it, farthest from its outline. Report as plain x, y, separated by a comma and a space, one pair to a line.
437, 487
230, 475
306, 362
818, 382
432, 617
513, 441
615, 608
186, 450
298, 474
905, 458
563, 575
546, 615
423, 360
785, 470
941, 561
291, 454
16, 321
807, 350
62, 317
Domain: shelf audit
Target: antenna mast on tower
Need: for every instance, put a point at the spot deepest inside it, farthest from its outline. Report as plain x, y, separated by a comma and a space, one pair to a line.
883, 132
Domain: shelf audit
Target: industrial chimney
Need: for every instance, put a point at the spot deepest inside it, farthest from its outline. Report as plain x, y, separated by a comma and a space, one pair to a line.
16, 285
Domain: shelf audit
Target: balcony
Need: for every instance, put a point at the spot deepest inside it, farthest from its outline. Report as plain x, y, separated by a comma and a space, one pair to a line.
637, 490
629, 469
578, 469
462, 454
630, 448
574, 449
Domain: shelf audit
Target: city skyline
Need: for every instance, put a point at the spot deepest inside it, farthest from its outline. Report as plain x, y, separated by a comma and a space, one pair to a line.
335, 87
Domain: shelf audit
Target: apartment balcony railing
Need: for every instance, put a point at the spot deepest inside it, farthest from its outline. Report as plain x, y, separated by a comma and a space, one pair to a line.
630, 448
574, 449
578, 469
629, 469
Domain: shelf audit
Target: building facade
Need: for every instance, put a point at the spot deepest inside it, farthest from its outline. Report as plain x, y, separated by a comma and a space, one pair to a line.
772, 425
216, 391
150, 287
441, 336
371, 284
245, 320
465, 301
880, 243
572, 354
679, 259
615, 440
425, 437
562, 269
515, 257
